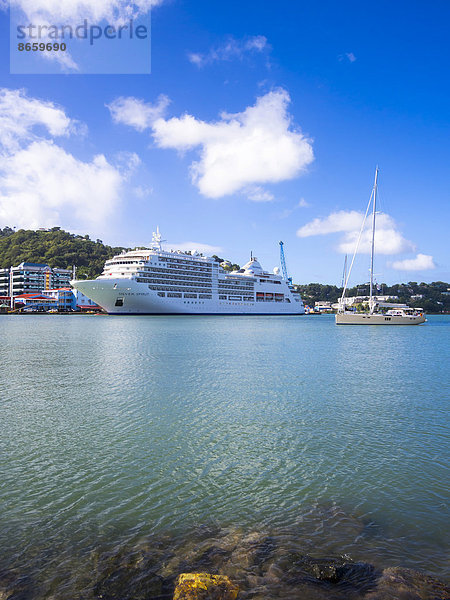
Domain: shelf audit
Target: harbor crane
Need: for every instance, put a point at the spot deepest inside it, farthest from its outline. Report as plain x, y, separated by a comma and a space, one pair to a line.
283, 265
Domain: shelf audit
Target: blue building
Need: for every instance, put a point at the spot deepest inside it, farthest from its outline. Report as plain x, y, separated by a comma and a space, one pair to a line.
32, 278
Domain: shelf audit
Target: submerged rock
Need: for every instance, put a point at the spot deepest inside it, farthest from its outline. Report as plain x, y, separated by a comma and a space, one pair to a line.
204, 586
322, 569
130, 584
14, 586
253, 553
340, 571
127, 574
397, 583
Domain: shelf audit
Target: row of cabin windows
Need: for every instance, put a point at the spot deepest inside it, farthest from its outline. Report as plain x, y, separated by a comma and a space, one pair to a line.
246, 298
176, 283
177, 269
235, 290
245, 282
174, 267
270, 281
176, 261
165, 288
178, 295
234, 286
207, 296
178, 277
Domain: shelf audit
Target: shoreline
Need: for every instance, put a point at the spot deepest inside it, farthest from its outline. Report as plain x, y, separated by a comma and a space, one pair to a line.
90, 314
261, 563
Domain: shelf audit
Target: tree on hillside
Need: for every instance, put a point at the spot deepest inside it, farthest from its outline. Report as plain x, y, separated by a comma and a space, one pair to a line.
6, 231
57, 248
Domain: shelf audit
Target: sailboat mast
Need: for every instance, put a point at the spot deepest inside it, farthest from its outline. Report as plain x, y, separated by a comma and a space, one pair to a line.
373, 239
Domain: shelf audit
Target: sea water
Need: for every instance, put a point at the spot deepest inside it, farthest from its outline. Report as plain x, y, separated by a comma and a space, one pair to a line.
114, 429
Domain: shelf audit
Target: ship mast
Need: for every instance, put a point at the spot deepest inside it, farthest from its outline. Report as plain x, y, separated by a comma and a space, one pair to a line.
371, 303
157, 239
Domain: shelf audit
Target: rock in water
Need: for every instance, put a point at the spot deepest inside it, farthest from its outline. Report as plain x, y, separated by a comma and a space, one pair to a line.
397, 583
203, 586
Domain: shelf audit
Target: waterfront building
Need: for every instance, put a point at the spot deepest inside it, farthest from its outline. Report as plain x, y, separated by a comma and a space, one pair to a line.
65, 298
68, 299
82, 302
323, 306
32, 278
38, 301
350, 300
62, 299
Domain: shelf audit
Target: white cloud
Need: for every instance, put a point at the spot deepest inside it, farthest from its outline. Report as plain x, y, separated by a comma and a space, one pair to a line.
40, 183
197, 246
287, 212
137, 113
43, 186
256, 146
64, 59
388, 239
127, 162
21, 117
339, 221
258, 194
347, 56
196, 58
142, 191
232, 49
422, 262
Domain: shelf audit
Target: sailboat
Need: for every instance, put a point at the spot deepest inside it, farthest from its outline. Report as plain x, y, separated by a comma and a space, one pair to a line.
379, 313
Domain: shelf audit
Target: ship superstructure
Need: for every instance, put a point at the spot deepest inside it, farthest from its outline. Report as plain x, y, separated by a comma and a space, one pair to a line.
155, 281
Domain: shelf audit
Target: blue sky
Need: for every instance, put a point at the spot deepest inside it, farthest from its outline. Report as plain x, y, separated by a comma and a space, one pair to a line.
259, 122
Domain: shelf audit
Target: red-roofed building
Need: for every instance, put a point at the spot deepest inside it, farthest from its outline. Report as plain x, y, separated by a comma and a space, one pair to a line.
38, 301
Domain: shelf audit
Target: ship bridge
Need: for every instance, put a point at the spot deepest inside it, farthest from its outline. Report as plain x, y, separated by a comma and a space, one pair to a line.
252, 268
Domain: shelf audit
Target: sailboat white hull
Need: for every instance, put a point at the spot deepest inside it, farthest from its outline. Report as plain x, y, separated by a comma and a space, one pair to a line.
349, 318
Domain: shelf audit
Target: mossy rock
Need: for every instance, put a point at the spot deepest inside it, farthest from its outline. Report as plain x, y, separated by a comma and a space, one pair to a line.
204, 586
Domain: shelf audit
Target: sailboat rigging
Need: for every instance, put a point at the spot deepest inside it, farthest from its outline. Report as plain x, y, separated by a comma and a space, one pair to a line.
398, 314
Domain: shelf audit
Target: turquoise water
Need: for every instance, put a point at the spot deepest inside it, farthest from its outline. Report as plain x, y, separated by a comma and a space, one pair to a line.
115, 428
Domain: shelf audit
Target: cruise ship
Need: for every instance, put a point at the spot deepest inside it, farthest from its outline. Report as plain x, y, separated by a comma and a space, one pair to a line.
153, 282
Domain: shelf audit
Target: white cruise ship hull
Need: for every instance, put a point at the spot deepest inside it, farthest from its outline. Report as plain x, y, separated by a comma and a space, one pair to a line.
377, 319
128, 297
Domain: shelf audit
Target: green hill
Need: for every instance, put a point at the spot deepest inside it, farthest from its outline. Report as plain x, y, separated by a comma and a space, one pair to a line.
55, 247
